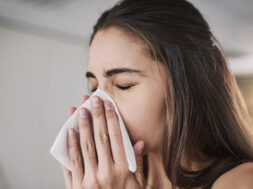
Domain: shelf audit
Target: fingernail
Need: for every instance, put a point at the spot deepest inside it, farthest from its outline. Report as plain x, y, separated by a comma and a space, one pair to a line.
95, 101
108, 105
82, 113
71, 132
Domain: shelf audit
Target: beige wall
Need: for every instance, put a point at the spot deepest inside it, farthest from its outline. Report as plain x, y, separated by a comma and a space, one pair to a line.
246, 86
40, 79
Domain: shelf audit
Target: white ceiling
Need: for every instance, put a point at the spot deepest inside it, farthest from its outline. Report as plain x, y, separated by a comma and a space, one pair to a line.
231, 21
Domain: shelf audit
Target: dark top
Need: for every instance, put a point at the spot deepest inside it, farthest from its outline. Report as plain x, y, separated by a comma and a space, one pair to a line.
209, 185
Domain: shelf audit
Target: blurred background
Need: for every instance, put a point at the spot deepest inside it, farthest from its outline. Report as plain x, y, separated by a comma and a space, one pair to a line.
43, 58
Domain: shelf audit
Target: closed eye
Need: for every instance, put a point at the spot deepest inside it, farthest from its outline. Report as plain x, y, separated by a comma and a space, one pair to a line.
120, 87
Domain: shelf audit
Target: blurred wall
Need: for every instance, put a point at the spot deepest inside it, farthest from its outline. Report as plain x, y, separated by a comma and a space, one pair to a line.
245, 83
40, 79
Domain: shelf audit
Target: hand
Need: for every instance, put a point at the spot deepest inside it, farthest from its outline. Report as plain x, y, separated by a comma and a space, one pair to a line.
105, 163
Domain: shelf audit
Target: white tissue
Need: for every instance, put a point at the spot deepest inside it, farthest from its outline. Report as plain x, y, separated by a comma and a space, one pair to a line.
59, 148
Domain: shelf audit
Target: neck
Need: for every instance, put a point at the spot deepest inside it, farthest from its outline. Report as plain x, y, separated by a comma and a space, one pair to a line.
155, 174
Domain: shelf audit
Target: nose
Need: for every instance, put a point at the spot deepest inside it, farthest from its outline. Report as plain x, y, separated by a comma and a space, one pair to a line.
106, 89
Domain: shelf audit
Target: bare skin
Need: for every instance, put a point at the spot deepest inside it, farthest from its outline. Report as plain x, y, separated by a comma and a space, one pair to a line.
141, 107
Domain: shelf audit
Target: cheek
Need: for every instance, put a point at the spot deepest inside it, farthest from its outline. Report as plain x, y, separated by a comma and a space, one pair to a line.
144, 120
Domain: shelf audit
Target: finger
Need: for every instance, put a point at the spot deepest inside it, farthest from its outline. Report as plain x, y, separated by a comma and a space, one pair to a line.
138, 149
75, 158
101, 133
85, 97
71, 111
115, 134
87, 143
67, 177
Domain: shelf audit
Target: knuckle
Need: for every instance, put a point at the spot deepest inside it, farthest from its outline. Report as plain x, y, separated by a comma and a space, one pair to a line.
103, 138
111, 113
139, 162
91, 183
89, 146
117, 135
106, 180
84, 124
76, 160
123, 170
98, 112
71, 144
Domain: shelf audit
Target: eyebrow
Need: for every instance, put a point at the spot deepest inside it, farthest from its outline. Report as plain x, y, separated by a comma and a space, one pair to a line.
115, 71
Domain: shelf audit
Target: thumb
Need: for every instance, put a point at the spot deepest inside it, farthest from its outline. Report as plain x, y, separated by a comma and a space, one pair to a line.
138, 150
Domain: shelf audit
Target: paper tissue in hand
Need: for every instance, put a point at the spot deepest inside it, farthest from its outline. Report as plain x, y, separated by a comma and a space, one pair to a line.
59, 148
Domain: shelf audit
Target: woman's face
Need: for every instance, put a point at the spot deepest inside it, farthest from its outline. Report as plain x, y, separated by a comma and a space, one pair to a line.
142, 105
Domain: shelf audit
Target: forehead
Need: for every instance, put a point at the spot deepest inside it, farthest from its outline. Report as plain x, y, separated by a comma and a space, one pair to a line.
113, 48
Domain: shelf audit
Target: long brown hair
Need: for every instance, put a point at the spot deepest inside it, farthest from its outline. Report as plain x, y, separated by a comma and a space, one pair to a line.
205, 114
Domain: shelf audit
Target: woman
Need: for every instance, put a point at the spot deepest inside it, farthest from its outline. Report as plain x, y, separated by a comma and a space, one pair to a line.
182, 107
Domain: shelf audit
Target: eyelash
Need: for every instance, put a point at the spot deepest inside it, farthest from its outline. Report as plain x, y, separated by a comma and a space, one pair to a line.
120, 87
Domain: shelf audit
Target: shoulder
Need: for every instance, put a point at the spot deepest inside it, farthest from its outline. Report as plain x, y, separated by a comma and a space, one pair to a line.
240, 177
